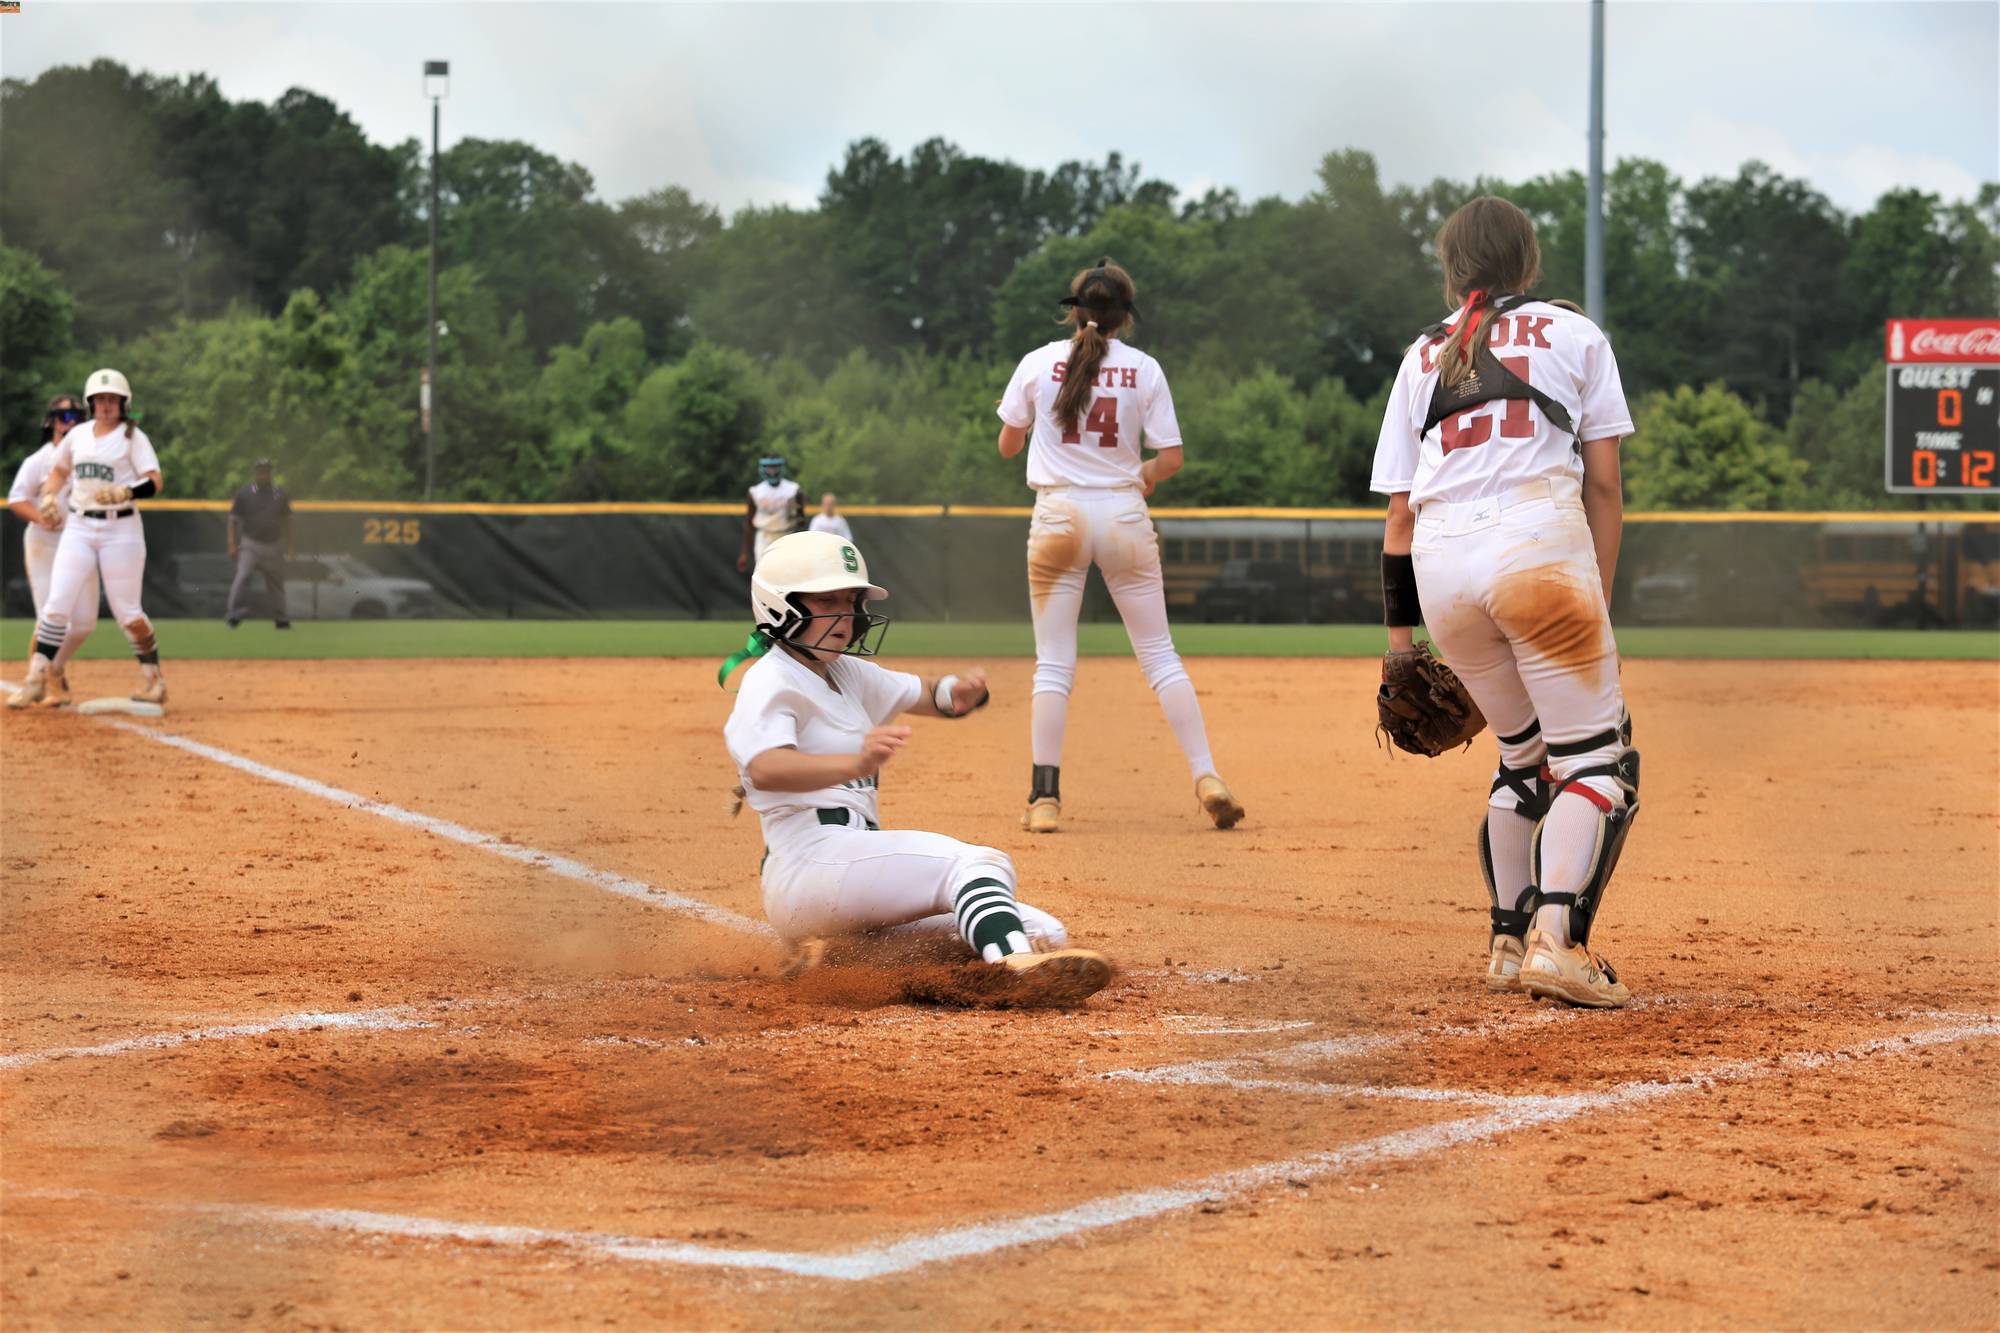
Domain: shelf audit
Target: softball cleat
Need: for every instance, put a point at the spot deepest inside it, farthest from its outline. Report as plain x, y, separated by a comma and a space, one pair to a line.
1060, 976
32, 691
1503, 965
1044, 816
806, 955
153, 692
1570, 973
1223, 808
58, 693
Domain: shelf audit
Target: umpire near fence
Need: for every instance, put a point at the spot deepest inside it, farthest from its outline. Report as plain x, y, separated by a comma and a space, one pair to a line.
260, 541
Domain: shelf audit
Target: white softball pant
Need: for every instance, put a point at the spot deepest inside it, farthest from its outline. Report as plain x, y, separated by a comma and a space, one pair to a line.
39, 547
1512, 597
114, 547
1073, 529
835, 880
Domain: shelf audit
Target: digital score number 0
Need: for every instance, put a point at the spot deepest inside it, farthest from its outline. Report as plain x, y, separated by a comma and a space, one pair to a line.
1943, 409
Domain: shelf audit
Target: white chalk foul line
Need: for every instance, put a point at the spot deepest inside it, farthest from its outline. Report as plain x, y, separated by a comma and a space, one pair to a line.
397, 1019
567, 867
875, 1261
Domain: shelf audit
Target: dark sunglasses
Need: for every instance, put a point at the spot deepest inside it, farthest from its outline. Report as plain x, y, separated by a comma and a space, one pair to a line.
70, 415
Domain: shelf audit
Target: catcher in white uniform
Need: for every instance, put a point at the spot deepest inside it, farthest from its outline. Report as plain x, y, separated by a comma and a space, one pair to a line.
113, 465
1081, 406
812, 728
1499, 454
44, 535
776, 508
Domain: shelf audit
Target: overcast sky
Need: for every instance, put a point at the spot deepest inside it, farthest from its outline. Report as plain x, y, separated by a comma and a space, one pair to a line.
752, 103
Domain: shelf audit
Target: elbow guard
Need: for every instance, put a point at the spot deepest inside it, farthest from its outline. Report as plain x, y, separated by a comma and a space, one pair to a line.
1400, 605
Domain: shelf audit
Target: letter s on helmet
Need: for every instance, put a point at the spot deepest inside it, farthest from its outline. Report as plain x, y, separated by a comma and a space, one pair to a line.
801, 563
106, 381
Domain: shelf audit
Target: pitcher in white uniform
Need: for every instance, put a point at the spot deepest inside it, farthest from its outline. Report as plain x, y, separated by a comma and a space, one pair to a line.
44, 535
1499, 454
812, 729
113, 465
1082, 406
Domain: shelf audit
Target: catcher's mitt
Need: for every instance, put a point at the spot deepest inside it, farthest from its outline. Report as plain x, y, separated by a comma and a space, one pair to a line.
1423, 706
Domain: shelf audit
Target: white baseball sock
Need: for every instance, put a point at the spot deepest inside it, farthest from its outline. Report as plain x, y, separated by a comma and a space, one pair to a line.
1183, 710
1048, 715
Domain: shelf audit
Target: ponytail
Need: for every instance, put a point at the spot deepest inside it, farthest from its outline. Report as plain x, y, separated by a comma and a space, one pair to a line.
1087, 350
1455, 357
1100, 306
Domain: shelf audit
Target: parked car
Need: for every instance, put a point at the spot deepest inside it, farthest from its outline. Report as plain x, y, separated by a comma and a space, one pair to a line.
317, 587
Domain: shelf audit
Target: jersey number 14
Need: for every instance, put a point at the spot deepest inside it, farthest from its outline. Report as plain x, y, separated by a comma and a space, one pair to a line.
1515, 424
1102, 422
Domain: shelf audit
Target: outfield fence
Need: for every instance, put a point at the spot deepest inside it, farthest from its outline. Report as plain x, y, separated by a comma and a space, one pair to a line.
362, 559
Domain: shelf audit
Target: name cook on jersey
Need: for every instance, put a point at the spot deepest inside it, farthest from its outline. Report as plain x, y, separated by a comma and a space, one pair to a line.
1528, 331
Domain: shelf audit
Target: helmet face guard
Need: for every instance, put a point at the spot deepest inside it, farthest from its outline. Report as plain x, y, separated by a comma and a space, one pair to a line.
869, 628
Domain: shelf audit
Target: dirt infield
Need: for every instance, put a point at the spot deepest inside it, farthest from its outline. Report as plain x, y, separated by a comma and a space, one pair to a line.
505, 1048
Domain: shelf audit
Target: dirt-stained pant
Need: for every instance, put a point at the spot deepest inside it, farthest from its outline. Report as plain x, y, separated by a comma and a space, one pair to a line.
1073, 528
112, 547
1512, 598
39, 546
255, 557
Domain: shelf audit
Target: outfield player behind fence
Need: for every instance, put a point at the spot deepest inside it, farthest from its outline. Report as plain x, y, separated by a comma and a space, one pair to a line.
829, 519
260, 542
812, 729
1081, 406
776, 508
113, 465
1499, 454
44, 535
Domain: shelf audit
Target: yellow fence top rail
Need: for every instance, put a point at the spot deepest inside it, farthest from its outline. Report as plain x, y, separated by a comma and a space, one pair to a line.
1023, 511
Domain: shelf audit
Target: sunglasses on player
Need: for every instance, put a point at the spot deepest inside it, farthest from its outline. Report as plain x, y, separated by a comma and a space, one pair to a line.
67, 415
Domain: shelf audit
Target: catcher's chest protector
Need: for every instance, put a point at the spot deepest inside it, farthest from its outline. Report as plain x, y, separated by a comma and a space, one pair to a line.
1490, 380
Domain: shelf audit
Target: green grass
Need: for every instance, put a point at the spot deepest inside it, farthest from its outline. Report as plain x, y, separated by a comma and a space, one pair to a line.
209, 639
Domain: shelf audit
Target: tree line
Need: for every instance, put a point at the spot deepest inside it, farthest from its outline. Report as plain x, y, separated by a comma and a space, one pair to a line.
259, 271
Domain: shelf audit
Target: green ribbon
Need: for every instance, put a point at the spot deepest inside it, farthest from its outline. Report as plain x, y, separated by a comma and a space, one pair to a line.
755, 646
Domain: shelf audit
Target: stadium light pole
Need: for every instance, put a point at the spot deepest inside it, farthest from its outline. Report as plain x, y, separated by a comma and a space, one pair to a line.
437, 86
1593, 226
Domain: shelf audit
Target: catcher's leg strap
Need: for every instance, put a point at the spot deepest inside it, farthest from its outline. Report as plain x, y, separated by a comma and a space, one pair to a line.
1615, 825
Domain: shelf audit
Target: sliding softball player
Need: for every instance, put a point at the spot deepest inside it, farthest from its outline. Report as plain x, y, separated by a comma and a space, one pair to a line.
1499, 454
108, 463
812, 729
1081, 407
43, 536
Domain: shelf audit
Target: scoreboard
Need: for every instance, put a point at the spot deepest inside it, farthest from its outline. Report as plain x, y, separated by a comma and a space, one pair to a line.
1942, 424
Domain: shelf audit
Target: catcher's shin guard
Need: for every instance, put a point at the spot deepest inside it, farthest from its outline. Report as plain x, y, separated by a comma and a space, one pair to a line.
1531, 802
1615, 825
1506, 921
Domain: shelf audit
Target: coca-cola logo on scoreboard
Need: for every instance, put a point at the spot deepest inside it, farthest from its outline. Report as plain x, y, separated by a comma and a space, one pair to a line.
1955, 340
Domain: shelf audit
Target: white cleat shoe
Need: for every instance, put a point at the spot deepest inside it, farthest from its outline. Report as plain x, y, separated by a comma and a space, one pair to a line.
1503, 965
1060, 976
1572, 974
1043, 816
31, 692
806, 955
1216, 801
153, 693
58, 692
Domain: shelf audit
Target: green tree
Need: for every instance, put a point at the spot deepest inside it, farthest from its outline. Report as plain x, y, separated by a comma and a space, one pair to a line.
38, 358
694, 428
1707, 449
584, 391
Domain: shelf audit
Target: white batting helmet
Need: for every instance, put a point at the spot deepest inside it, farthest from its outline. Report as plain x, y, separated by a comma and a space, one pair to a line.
808, 562
106, 381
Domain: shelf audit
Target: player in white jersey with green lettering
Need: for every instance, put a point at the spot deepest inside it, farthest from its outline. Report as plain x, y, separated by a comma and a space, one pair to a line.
1499, 454
811, 731
44, 536
109, 464
1082, 406
776, 508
